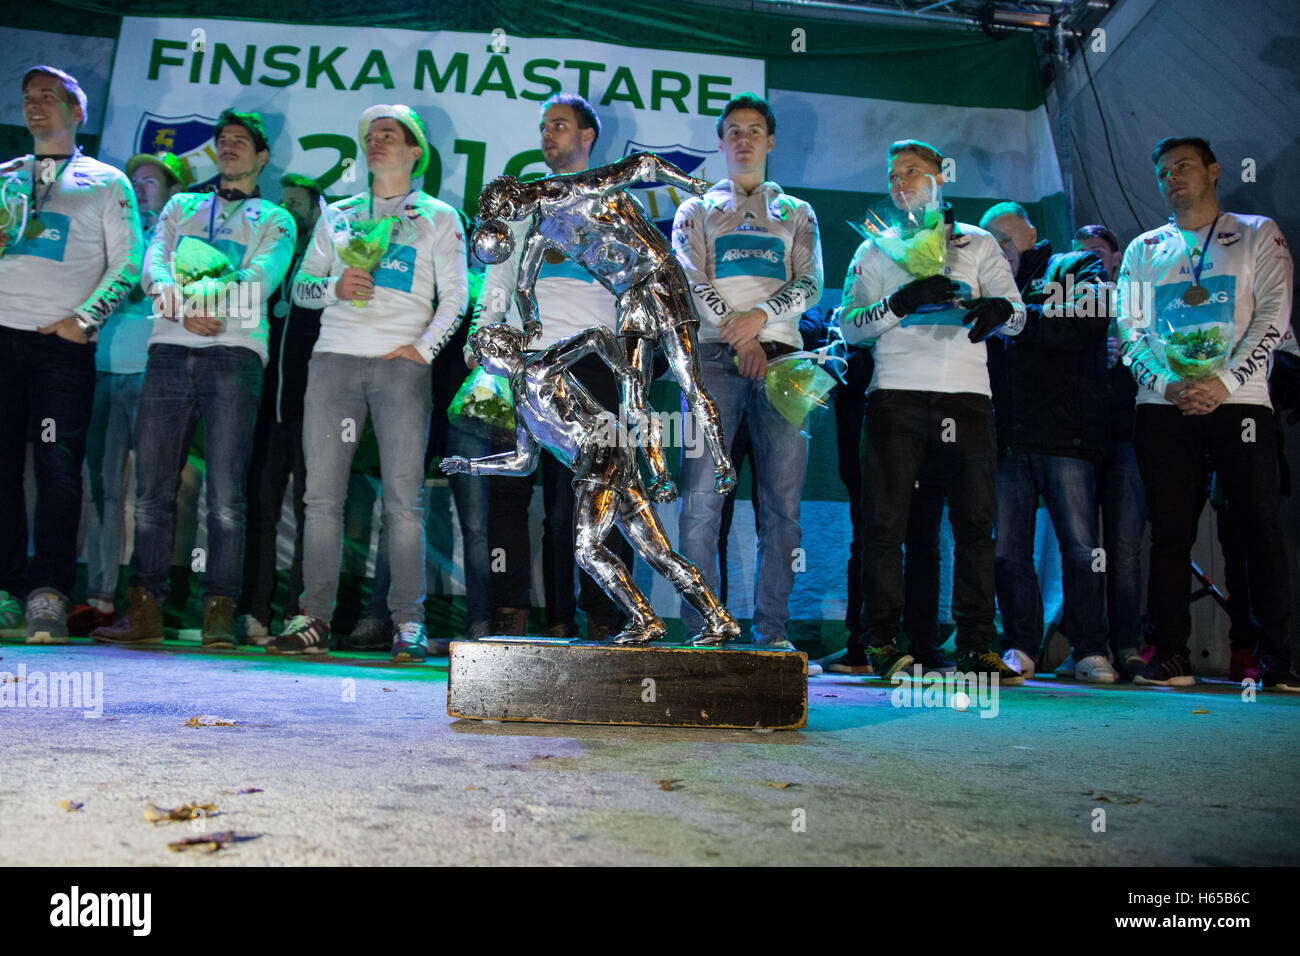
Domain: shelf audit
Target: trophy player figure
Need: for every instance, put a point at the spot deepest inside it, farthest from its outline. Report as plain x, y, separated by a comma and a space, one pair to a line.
590, 218
554, 411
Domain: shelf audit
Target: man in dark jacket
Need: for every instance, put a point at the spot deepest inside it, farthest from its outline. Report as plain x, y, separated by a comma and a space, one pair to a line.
1049, 398
277, 442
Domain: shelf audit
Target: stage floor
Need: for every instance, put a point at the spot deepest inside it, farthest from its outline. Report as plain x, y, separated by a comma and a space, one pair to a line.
356, 762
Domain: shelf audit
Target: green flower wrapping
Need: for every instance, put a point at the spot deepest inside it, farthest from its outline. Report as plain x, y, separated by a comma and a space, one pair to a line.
200, 268
483, 402
919, 244
795, 386
361, 243
1196, 353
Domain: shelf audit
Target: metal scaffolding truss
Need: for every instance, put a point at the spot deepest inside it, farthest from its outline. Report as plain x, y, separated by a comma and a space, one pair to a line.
992, 16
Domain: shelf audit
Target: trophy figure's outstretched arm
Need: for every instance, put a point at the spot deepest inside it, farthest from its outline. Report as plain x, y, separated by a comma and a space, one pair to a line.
530, 266
521, 461
648, 168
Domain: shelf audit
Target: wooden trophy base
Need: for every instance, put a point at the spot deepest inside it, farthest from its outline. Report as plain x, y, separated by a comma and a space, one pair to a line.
653, 685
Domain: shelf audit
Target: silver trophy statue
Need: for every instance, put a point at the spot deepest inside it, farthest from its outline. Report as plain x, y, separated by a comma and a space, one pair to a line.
554, 411
14, 204
589, 217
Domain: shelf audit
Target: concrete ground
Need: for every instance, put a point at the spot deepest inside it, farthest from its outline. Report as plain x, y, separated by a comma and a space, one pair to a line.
357, 762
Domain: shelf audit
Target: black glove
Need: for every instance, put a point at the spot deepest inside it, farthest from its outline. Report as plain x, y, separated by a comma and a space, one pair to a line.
933, 290
987, 315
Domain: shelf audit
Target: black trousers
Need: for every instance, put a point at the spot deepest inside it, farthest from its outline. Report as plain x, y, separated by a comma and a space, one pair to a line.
921, 562
1241, 443
47, 390
946, 439
277, 456
508, 501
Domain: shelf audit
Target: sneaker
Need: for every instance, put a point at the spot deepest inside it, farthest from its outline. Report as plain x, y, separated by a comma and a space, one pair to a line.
370, 634
989, 663
1131, 660
1167, 670
141, 624
478, 630
563, 631
303, 635
814, 669
11, 616
1243, 665
1281, 678
932, 660
1020, 662
254, 631
853, 661
47, 617
1095, 669
1066, 670
887, 660
412, 643
218, 624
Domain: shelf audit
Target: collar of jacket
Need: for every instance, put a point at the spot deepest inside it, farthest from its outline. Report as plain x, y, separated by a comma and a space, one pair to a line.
1033, 264
767, 189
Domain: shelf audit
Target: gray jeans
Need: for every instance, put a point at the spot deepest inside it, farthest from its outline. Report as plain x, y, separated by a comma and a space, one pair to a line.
341, 389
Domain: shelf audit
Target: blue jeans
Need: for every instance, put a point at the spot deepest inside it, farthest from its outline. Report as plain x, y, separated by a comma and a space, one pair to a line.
1068, 486
341, 389
780, 458
47, 385
470, 492
223, 385
111, 437
1123, 518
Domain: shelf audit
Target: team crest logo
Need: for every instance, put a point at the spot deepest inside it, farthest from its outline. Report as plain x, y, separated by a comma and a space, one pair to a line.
661, 201
189, 137
1228, 238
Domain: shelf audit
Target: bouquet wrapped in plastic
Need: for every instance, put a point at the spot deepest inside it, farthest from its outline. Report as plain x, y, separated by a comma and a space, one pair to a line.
483, 403
1196, 351
361, 243
199, 267
795, 384
912, 233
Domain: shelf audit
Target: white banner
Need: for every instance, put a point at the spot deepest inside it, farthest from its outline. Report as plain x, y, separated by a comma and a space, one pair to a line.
478, 93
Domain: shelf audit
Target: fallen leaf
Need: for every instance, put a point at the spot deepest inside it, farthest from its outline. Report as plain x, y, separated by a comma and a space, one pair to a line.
1200, 710
209, 843
72, 806
669, 784
779, 786
10, 679
830, 695
203, 720
389, 690
236, 793
473, 788
1123, 799
543, 756
186, 811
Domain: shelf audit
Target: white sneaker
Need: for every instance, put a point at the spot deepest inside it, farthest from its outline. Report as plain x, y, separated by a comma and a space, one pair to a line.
1095, 669
814, 668
1066, 669
1020, 662
255, 631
